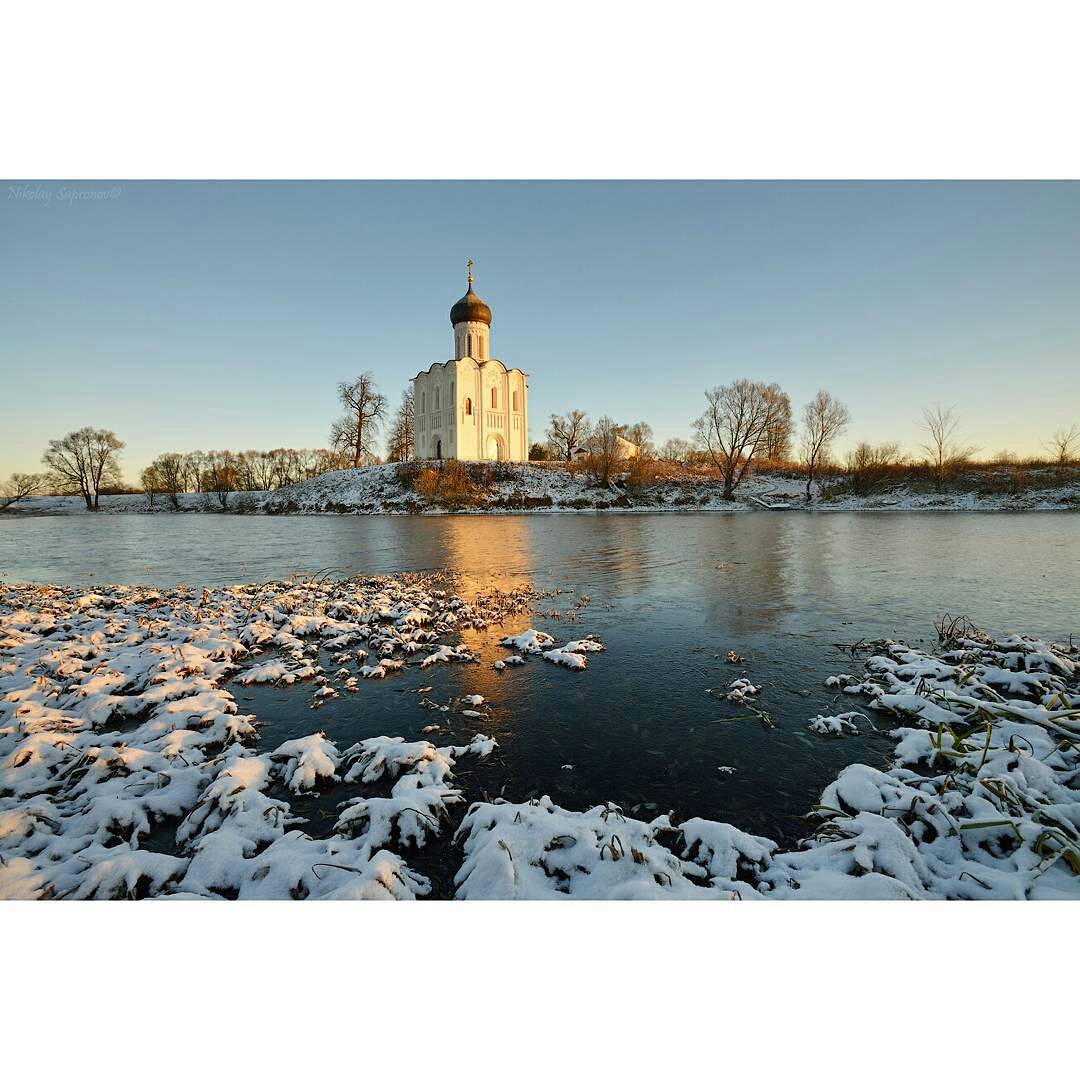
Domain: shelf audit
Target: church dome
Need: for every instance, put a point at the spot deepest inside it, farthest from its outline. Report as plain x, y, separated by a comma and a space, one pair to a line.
470, 308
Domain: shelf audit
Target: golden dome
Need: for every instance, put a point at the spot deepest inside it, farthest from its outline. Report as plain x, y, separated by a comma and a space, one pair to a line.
470, 308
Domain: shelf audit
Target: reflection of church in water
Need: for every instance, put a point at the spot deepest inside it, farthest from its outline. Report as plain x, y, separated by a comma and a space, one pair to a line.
473, 407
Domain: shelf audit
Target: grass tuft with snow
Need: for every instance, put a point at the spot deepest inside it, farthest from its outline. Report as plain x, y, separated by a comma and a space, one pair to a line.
116, 724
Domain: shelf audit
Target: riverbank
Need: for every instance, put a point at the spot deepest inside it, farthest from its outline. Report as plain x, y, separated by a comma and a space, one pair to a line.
505, 488
128, 770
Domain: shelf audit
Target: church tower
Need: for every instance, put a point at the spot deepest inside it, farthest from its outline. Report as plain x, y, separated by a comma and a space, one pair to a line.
473, 407
471, 319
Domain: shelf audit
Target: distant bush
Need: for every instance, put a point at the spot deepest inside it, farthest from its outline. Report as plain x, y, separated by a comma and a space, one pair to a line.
641, 475
871, 467
407, 473
518, 500
450, 484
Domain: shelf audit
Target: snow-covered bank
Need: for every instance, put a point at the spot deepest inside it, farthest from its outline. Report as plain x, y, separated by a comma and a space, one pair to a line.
127, 770
530, 488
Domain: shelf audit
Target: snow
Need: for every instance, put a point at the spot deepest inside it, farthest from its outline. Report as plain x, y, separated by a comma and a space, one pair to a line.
835, 726
117, 724
740, 690
302, 762
572, 660
529, 641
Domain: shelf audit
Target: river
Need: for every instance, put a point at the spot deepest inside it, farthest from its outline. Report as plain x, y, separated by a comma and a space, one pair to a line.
669, 594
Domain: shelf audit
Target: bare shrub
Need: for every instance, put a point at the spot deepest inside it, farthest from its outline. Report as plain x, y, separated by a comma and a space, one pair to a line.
642, 474
452, 484
870, 467
1063, 445
407, 474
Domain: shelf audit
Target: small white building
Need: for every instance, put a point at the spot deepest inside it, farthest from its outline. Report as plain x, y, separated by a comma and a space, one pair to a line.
473, 407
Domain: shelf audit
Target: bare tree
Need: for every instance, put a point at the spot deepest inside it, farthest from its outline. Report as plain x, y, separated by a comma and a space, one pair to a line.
219, 476
170, 476
605, 449
778, 431
567, 433
824, 418
677, 451
194, 464
945, 454
84, 462
402, 439
150, 479
1064, 444
355, 432
21, 486
732, 428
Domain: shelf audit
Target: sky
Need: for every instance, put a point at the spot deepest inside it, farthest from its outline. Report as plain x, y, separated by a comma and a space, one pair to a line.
221, 315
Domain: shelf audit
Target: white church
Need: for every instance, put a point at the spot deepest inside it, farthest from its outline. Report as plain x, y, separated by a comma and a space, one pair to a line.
473, 407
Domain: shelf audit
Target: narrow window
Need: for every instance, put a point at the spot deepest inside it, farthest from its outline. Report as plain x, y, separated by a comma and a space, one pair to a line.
494, 398
468, 406
481, 348
423, 403
515, 401
469, 342
436, 399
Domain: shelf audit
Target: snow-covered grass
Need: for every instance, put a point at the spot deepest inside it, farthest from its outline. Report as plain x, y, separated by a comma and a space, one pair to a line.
127, 770
116, 724
552, 488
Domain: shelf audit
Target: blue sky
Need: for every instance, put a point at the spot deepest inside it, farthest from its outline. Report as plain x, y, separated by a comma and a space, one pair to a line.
214, 315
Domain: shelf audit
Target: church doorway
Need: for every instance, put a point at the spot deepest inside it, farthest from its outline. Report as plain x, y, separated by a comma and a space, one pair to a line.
495, 449
438, 449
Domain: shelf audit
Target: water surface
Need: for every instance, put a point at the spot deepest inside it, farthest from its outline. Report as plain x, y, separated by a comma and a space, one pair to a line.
669, 594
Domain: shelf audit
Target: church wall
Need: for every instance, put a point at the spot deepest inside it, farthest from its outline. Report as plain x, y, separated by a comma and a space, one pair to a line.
456, 414
436, 418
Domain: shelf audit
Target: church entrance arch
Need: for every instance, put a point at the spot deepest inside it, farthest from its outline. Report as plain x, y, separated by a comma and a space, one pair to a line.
495, 448
438, 449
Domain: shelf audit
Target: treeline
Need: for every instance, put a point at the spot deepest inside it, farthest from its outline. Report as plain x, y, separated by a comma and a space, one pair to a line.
749, 425
745, 425
87, 463
220, 473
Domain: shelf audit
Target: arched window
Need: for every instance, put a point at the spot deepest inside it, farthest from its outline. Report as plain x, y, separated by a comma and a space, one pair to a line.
423, 403
468, 341
468, 406
515, 401
494, 398
436, 399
